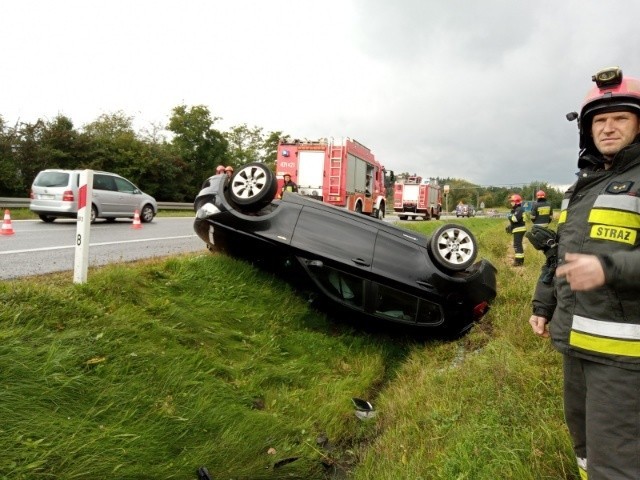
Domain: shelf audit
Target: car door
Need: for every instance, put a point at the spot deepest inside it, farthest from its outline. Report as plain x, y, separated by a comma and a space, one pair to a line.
129, 196
401, 258
105, 194
338, 238
402, 288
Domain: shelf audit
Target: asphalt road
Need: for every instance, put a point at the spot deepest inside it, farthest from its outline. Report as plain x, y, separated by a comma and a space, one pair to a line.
37, 248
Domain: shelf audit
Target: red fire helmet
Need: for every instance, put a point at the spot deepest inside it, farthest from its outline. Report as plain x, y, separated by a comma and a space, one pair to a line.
612, 93
541, 194
515, 198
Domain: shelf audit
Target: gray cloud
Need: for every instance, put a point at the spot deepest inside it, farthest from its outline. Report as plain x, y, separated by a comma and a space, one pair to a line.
474, 90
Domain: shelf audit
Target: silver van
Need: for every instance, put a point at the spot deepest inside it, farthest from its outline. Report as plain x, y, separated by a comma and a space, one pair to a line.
54, 194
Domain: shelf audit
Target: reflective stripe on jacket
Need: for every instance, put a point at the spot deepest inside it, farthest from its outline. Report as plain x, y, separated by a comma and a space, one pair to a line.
516, 217
541, 213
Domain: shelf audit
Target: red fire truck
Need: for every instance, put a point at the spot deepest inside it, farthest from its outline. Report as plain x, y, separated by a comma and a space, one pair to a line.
345, 173
414, 197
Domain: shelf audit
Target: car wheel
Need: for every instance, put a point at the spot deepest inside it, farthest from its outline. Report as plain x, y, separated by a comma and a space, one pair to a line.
146, 214
94, 213
252, 186
379, 214
453, 247
47, 218
358, 207
402, 217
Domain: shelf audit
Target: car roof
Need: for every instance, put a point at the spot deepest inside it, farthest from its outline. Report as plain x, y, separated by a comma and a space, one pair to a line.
76, 171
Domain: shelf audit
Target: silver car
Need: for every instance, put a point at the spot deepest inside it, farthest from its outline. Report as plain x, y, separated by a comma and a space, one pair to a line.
54, 194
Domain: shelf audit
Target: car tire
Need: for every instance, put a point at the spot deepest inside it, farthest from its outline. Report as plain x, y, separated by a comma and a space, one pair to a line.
47, 218
252, 186
146, 214
402, 217
94, 213
453, 247
379, 213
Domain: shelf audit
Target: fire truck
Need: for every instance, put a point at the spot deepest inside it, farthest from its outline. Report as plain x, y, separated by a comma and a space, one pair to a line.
344, 173
415, 197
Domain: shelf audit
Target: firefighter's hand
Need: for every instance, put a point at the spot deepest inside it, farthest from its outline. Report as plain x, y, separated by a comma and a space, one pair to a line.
539, 326
583, 272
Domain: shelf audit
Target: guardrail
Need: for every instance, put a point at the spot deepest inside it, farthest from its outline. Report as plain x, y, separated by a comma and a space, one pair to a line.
8, 202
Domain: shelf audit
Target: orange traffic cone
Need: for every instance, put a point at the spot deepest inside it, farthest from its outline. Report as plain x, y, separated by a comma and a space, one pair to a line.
136, 220
7, 229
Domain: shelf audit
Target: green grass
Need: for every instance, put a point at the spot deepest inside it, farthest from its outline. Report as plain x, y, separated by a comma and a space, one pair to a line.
153, 369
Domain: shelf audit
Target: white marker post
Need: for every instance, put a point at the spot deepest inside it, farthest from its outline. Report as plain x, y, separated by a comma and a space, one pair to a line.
85, 196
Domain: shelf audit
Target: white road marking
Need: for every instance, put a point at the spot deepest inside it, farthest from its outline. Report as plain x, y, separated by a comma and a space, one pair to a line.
45, 249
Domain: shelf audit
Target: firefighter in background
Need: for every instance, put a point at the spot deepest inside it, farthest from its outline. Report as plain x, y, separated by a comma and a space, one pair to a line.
517, 228
591, 309
541, 211
288, 185
219, 169
228, 170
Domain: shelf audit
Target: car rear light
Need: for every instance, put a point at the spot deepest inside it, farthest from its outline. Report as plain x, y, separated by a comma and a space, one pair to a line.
67, 196
480, 310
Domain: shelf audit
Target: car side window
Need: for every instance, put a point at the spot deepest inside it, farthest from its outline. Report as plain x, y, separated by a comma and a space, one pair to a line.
342, 286
104, 182
395, 304
124, 186
401, 306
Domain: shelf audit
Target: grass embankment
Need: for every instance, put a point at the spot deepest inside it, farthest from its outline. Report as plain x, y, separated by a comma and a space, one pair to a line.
154, 369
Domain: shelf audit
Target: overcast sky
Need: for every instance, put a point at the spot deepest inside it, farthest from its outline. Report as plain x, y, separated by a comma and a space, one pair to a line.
451, 88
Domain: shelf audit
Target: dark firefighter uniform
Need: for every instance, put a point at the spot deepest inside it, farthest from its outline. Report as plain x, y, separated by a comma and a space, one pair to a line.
518, 229
600, 329
288, 186
541, 212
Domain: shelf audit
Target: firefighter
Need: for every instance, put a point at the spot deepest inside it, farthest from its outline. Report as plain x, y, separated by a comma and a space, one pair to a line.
288, 186
517, 228
228, 170
541, 211
219, 169
591, 309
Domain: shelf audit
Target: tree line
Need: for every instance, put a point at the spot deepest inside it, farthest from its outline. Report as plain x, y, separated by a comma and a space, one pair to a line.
171, 169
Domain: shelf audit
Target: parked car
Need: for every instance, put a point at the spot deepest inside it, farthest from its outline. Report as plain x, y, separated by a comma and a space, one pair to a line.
348, 261
464, 210
54, 194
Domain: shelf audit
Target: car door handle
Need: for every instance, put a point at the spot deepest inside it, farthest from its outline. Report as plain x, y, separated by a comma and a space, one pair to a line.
361, 262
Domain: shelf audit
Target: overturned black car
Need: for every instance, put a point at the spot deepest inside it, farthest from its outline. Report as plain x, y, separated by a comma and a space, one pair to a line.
349, 261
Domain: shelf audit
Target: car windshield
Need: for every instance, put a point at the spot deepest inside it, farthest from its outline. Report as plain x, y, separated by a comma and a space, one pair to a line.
52, 179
